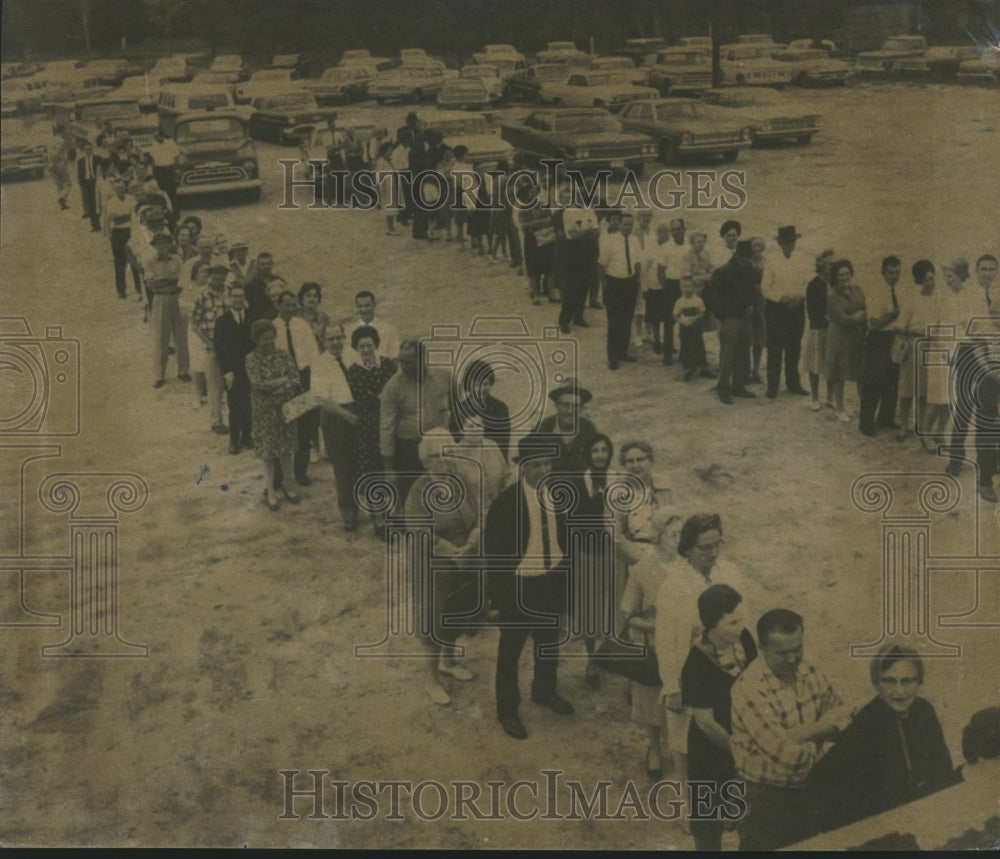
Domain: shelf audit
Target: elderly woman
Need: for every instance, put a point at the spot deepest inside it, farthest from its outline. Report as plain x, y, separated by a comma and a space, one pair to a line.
494, 469
310, 296
714, 662
845, 336
274, 380
456, 536
642, 543
815, 349
893, 752
696, 566
366, 377
919, 309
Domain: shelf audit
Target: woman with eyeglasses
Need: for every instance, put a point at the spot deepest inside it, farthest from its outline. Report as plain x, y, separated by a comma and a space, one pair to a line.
643, 542
893, 752
679, 626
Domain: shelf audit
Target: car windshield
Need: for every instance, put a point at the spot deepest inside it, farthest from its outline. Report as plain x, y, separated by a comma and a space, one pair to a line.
470, 125
585, 123
209, 128
123, 110
470, 86
590, 80
480, 72
680, 111
549, 73
683, 57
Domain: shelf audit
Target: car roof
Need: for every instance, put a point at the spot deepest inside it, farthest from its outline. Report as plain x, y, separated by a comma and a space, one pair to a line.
210, 114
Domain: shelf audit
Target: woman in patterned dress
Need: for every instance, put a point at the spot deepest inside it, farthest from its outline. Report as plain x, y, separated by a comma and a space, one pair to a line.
366, 377
845, 336
274, 380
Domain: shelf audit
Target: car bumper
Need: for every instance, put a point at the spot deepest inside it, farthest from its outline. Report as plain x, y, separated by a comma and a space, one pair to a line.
199, 189
714, 148
22, 169
784, 133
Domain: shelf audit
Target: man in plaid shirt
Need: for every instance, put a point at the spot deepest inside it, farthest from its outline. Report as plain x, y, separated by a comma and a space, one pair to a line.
783, 710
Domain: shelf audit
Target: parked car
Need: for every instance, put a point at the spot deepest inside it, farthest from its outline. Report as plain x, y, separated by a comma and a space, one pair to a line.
66, 90
771, 115
759, 39
507, 67
471, 130
230, 80
580, 137
465, 94
984, 70
622, 67
898, 55
171, 69
409, 83
752, 65
285, 61
814, 66
86, 120
489, 75
563, 52
179, 100
413, 56
263, 82
683, 127
21, 96
944, 60
355, 55
341, 84
61, 68
143, 88
638, 49
216, 155
109, 72
703, 42
677, 70
283, 117
527, 84
227, 63
489, 53
20, 157
595, 89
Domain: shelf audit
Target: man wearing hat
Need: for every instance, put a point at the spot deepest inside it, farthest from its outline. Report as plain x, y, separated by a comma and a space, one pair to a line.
240, 266
783, 286
567, 428
162, 275
731, 295
527, 539
209, 306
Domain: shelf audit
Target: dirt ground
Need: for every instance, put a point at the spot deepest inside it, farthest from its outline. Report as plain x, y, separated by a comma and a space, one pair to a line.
251, 617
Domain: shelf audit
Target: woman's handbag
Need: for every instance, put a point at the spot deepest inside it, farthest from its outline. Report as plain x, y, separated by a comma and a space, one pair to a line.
613, 656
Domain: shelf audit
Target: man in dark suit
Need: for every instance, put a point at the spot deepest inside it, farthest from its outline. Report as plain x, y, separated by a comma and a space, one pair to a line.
232, 343
529, 541
87, 169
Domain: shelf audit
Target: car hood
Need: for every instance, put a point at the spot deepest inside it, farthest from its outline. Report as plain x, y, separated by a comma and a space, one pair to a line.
208, 150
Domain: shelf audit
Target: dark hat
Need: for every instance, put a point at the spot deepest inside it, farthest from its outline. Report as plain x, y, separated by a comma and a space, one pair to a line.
218, 266
571, 386
536, 446
787, 234
744, 249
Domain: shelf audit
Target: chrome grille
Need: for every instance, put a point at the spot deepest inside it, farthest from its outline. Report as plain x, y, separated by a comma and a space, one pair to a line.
206, 175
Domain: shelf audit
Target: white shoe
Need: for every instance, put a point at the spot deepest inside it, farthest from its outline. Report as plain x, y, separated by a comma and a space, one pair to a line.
843, 417
815, 405
438, 695
456, 671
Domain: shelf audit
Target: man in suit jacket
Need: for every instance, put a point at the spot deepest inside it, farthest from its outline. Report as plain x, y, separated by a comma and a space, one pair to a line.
528, 588
232, 343
87, 170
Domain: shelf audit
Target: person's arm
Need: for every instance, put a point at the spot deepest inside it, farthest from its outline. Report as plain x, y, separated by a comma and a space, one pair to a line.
665, 638
716, 734
836, 309
753, 715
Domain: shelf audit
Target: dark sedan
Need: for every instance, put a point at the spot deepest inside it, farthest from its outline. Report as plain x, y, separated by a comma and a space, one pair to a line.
686, 128
282, 117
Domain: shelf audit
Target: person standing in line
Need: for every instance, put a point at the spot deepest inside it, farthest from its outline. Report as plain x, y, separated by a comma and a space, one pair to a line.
162, 276
879, 375
89, 169
731, 296
783, 287
673, 252
845, 336
232, 343
815, 351
210, 304
117, 220
620, 261
576, 229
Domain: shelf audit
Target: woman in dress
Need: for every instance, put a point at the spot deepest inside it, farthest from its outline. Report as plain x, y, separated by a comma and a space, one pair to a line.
644, 544
893, 751
845, 336
815, 351
366, 377
274, 380
310, 296
714, 662
919, 309
456, 536
695, 567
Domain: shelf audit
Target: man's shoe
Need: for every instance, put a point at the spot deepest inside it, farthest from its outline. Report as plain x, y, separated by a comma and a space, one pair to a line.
303, 479
159, 383
868, 431
564, 329
556, 703
513, 727
184, 377
596, 305
987, 493
799, 390
755, 379
220, 428
745, 394
581, 323
668, 361
954, 469
613, 365
725, 399
772, 395
707, 374
234, 448
628, 359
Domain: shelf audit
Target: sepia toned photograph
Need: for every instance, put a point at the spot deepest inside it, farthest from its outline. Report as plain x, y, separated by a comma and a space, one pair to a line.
490, 424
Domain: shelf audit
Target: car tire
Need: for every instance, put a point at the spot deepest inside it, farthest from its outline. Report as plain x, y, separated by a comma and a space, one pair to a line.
665, 88
668, 151
379, 100
254, 195
802, 80
599, 103
730, 155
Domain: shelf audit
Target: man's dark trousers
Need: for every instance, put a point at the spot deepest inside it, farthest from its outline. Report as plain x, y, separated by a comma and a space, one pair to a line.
785, 325
620, 295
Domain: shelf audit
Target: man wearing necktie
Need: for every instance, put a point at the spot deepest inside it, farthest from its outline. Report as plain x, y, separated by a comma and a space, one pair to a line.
232, 344
296, 338
525, 541
86, 172
879, 375
337, 419
621, 260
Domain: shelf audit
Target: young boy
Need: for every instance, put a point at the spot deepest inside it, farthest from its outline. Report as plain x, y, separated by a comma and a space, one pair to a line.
689, 311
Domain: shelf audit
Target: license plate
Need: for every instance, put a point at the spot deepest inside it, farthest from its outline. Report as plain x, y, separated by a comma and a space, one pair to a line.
618, 162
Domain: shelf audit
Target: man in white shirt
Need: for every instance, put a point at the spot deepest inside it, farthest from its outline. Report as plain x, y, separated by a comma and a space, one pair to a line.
364, 303
783, 286
673, 256
296, 338
880, 378
620, 262
165, 155
328, 382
